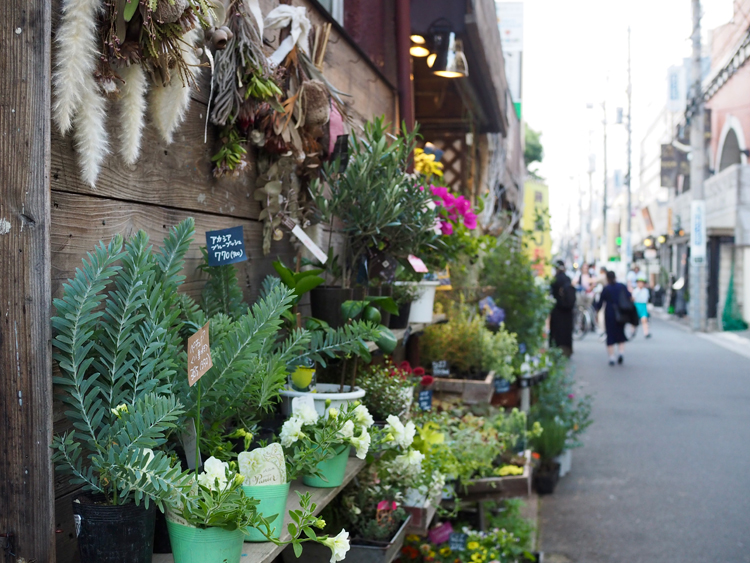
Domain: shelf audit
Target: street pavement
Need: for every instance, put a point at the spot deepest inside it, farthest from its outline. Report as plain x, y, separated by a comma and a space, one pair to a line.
664, 475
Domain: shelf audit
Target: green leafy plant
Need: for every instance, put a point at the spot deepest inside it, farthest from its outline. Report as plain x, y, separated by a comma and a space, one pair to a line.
382, 210
526, 304
119, 353
389, 389
222, 293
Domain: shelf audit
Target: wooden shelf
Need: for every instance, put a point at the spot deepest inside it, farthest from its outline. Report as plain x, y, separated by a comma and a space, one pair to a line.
265, 552
416, 328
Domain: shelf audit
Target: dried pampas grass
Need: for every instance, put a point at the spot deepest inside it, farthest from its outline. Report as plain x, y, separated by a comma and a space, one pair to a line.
132, 112
90, 133
169, 104
77, 57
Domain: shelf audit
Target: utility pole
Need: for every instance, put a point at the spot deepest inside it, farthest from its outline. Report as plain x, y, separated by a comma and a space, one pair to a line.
604, 247
629, 233
697, 265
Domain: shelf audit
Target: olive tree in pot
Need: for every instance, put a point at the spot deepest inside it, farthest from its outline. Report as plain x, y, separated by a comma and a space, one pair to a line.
385, 214
118, 349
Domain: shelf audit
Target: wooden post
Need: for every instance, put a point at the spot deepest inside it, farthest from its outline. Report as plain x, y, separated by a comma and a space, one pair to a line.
26, 490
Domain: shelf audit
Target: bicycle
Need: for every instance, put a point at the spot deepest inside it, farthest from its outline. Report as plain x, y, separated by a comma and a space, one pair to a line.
584, 320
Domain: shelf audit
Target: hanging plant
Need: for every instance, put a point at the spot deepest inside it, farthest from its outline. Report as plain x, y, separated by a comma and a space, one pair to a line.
117, 50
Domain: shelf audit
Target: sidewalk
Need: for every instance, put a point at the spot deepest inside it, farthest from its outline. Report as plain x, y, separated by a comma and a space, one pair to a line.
738, 342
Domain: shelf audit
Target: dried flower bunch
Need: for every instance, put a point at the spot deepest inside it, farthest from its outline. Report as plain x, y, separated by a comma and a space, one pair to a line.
118, 50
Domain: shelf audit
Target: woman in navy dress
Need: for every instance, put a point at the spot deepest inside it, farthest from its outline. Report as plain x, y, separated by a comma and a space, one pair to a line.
615, 331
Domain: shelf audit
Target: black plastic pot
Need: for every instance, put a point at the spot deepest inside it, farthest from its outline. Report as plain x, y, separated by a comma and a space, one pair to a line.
325, 303
546, 478
161, 534
114, 534
402, 319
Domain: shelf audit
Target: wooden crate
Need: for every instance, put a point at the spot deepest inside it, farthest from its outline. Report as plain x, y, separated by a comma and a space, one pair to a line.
491, 488
472, 391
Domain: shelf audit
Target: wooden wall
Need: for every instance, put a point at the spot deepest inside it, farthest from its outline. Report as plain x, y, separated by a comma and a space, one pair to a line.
168, 184
26, 493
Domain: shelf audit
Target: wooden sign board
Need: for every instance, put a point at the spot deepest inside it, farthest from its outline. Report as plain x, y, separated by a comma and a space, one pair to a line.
199, 355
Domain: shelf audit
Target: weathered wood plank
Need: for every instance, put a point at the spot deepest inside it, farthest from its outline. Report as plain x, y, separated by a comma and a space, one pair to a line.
26, 495
177, 175
65, 530
81, 221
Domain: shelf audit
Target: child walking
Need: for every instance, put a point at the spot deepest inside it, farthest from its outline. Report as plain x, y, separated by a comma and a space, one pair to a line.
641, 297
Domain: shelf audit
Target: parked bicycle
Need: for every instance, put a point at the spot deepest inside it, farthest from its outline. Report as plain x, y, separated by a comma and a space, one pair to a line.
584, 319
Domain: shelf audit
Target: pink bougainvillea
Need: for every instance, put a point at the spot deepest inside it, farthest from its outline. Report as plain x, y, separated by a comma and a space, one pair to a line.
456, 209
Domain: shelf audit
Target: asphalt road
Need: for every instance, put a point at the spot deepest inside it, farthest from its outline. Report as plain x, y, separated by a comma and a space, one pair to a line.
664, 476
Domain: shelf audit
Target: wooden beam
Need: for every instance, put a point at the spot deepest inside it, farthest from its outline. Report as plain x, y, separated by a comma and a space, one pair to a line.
26, 494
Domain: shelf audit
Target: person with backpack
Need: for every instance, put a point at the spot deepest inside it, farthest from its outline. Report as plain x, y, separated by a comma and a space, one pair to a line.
561, 318
618, 311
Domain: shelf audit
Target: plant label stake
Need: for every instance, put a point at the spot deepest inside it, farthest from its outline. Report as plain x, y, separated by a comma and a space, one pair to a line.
189, 440
304, 239
457, 541
199, 362
425, 399
199, 355
226, 246
417, 264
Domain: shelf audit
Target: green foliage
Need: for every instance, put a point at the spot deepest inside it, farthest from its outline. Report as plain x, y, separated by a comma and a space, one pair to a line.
556, 403
222, 293
469, 346
533, 151
380, 207
390, 391
509, 270
118, 353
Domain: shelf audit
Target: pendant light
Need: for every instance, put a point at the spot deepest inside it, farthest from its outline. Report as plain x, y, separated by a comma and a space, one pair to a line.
449, 60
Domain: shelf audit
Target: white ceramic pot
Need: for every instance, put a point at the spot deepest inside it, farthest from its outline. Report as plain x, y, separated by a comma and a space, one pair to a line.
421, 307
565, 460
325, 391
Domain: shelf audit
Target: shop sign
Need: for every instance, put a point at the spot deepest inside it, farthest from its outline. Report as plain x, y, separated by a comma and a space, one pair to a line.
698, 231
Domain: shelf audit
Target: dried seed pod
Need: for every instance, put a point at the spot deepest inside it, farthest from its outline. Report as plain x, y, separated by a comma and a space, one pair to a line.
170, 12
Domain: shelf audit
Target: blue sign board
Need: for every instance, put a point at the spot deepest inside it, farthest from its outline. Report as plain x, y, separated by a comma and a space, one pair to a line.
225, 246
424, 400
457, 541
502, 385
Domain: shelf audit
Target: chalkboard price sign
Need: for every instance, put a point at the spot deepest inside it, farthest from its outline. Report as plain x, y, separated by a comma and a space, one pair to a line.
425, 400
502, 385
225, 246
441, 368
457, 541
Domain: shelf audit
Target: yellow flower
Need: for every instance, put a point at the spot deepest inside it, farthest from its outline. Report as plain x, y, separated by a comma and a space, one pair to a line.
445, 551
477, 558
412, 538
473, 545
431, 554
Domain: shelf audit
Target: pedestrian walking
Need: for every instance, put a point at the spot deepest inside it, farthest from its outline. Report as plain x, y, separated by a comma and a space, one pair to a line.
641, 298
632, 277
617, 303
561, 318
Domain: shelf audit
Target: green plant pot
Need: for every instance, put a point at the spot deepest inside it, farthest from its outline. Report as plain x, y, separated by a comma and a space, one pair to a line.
332, 469
272, 499
212, 545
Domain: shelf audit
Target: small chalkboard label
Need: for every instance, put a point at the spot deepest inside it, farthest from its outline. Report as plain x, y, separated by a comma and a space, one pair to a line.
225, 246
502, 385
441, 368
425, 400
457, 541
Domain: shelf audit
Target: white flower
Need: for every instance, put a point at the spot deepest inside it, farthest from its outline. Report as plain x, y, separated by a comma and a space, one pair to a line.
347, 430
214, 470
362, 444
291, 431
306, 413
402, 435
248, 463
119, 410
339, 545
363, 416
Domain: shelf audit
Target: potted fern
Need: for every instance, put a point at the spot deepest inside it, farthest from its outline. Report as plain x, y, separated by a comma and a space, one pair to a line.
118, 349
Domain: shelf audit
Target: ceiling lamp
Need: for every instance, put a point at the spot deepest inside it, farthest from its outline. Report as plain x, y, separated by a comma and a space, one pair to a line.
418, 47
449, 61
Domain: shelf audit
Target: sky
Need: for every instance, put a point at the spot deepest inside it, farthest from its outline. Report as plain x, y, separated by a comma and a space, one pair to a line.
574, 54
